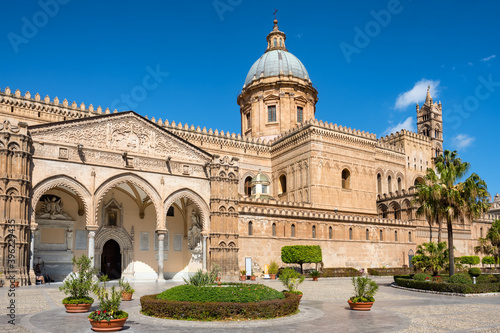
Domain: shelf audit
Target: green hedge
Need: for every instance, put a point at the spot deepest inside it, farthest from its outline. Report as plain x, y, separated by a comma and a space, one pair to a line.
449, 287
152, 306
388, 271
469, 260
230, 292
340, 272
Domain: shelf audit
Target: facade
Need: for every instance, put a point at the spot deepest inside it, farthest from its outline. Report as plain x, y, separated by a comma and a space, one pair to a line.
151, 199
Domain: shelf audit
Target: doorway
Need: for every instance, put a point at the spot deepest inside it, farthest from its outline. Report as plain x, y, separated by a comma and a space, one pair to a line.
111, 260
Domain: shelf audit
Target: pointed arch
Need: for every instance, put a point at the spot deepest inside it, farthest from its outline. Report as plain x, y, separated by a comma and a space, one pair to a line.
198, 202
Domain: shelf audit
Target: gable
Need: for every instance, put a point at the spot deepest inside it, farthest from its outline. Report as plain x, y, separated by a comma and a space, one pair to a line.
120, 132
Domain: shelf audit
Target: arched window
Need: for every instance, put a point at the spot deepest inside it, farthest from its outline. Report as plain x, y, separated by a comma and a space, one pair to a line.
481, 232
367, 234
293, 230
248, 186
314, 231
395, 236
275, 42
350, 233
250, 228
274, 229
381, 235
419, 180
379, 183
281, 42
389, 184
409, 236
400, 185
346, 179
282, 184
330, 233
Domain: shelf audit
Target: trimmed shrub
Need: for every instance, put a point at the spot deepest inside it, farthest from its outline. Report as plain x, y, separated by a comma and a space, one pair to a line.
474, 271
422, 277
152, 306
489, 260
340, 272
231, 292
449, 287
460, 278
469, 260
301, 254
487, 278
388, 271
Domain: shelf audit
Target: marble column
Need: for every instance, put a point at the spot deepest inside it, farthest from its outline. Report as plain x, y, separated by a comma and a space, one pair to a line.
91, 247
161, 238
32, 249
204, 252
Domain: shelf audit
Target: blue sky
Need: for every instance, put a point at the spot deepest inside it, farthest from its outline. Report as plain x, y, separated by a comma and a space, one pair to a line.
370, 60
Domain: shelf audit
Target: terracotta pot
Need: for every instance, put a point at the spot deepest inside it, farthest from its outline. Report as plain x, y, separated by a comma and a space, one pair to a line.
360, 306
315, 278
108, 326
243, 278
77, 308
252, 278
126, 296
272, 276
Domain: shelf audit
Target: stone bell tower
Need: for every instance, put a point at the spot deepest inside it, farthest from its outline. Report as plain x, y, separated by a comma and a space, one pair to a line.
430, 123
277, 94
16, 152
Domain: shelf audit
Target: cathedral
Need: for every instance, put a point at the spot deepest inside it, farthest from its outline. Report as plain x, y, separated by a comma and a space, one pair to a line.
150, 199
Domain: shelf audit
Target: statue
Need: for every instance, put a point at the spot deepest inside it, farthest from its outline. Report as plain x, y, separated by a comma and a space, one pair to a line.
52, 208
194, 234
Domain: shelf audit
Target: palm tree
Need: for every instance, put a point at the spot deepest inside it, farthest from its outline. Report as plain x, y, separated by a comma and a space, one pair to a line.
493, 236
427, 200
430, 256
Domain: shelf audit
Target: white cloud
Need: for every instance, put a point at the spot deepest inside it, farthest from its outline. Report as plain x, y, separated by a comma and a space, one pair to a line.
493, 56
462, 141
408, 124
417, 93
470, 64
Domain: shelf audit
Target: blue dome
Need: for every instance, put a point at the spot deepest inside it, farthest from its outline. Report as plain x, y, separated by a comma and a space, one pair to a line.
276, 62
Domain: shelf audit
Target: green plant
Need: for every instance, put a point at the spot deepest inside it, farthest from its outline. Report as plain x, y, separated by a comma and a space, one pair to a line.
430, 256
79, 283
474, 271
291, 279
301, 254
487, 278
422, 277
243, 272
125, 287
315, 273
460, 278
488, 260
273, 267
469, 260
448, 287
201, 278
109, 302
364, 289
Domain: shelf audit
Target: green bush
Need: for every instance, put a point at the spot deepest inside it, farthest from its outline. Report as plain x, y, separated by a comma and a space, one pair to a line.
489, 260
273, 267
487, 278
73, 300
474, 271
80, 283
459, 288
161, 308
291, 279
469, 260
460, 278
201, 278
230, 292
301, 254
422, 277
340, 272
364, 289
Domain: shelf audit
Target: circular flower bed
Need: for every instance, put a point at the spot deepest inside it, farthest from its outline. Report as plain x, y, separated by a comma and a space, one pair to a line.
228, 302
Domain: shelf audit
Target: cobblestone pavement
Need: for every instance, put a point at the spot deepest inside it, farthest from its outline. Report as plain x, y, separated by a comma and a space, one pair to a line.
323, 308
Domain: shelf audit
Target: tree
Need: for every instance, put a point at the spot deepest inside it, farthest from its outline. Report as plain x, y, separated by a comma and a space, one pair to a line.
430, 256
427, 199
493, 236
301, 254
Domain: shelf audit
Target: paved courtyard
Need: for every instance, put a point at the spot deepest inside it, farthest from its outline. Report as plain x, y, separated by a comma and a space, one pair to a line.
323, 309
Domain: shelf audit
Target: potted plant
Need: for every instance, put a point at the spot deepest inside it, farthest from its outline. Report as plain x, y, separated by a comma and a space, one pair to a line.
109, 317
252, 277
315, 274
273, 269
78, 285
243, 275
126, 290
291, 280
364, 291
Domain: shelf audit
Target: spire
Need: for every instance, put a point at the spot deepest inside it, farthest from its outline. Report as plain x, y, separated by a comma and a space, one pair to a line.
276, 38
428, 98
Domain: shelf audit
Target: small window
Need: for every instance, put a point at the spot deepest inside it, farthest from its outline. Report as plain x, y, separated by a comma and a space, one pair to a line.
264, 189
271, 113
249, 121
275, 42
367, 234
409, 236
281, 42
395, 236
330, 233
300, 114
400, 184
381, 235
293, 230
481, 232
170, 211
250, 228
389, 184
346, 179
274, 229
314, 231
350, 233
248, 186
379, 183
282, 184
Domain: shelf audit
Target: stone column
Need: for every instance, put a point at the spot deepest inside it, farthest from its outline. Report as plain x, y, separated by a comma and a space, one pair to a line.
32, 249
205, 252
91, 247
161, 237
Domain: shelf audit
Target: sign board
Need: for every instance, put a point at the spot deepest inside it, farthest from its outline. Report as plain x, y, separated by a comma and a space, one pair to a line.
248, 266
